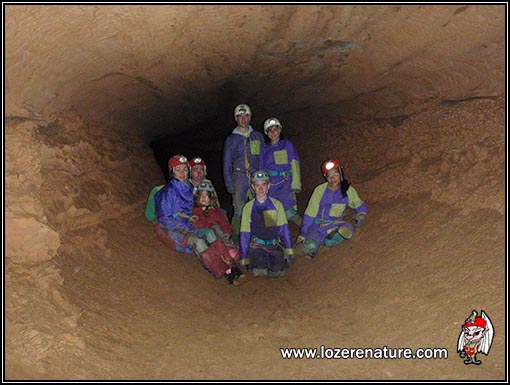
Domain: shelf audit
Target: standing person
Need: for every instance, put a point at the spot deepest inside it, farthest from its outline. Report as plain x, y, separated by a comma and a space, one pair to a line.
174, 204
323, 219
265, 240
240, 158
281, 161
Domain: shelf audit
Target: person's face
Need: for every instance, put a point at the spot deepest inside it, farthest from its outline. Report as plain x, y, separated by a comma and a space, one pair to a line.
273, 133
473, 333
243, 120
261, 187
197, 173
333, 177
181, 172
204, 198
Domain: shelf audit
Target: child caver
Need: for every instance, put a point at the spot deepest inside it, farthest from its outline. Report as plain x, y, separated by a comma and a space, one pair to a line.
222, 255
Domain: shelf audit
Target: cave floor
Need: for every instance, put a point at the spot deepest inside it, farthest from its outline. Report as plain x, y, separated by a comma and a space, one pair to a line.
408, 279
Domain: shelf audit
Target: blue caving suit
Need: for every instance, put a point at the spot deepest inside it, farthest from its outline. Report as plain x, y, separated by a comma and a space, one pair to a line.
174, 204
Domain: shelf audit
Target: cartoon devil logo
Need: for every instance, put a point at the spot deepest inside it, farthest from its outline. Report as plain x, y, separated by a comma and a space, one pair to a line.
475, 337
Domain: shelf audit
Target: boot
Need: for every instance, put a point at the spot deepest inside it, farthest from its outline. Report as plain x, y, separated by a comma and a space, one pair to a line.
472, 360
276, 274
310, 248
231, 279
259, 272
293, 216
333, 239
238, 274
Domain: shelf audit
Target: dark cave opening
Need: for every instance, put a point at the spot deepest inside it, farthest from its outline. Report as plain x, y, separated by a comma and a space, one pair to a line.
204, 140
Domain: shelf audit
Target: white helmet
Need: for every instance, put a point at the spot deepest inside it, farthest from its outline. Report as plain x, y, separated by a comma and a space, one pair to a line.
260, 175
205, 185
242, 109
270, 123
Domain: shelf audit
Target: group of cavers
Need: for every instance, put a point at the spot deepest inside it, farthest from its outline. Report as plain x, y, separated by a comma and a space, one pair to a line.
263, 179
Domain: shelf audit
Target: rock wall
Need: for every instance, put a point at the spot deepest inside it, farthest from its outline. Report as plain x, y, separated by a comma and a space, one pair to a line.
452, 151
64, 182
161, 69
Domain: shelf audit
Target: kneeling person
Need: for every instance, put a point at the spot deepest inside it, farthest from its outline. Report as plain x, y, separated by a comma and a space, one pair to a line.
265, 240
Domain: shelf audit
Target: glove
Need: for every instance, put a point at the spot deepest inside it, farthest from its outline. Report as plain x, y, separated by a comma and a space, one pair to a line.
208, 234
227, 238
197, 244
358, 221
230, 189
217, 230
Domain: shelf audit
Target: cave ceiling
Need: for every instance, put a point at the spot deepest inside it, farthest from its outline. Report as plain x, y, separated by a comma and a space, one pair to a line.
155, 69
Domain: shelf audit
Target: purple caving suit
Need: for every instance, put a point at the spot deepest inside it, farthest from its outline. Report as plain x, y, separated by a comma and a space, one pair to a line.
325, 211
240, 159
281, 161
265, 222
174, 204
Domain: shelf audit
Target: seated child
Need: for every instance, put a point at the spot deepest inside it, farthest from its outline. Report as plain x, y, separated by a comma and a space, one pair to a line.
222, 256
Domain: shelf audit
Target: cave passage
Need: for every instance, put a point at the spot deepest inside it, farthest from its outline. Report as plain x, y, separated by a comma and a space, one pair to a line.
206, 141
410, 98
